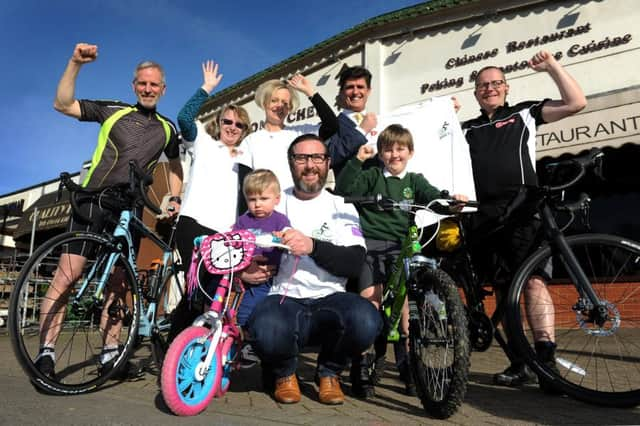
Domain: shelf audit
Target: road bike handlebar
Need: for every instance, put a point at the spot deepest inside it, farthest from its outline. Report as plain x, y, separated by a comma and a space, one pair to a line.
590, 160
528, 197
135, 189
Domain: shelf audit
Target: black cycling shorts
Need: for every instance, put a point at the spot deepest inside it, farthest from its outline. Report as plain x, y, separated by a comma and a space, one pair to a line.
498, 256
102, 220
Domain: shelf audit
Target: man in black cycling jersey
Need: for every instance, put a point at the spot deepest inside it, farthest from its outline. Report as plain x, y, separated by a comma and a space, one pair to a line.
128, 132
502, 147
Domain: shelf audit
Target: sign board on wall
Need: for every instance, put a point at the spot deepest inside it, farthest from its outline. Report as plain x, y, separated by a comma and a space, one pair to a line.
609, 127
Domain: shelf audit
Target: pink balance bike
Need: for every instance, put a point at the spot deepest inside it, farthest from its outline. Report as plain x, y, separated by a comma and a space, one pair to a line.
199, 362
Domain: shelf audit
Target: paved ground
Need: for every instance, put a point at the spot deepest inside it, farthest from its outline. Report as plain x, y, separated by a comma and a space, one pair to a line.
139, 402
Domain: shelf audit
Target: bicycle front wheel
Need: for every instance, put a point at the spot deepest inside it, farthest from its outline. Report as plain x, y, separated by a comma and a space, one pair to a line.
55, 304
187, 384
596, 358
438, 343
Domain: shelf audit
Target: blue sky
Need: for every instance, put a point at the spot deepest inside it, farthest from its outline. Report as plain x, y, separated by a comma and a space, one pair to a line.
38, 37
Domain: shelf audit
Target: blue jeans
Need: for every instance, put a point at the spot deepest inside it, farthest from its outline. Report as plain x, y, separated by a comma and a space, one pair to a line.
343, 324
253, 294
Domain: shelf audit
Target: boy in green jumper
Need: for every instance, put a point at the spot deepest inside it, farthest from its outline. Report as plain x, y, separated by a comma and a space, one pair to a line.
385, 230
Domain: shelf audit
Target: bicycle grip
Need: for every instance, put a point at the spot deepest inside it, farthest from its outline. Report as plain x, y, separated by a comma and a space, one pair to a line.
362, 199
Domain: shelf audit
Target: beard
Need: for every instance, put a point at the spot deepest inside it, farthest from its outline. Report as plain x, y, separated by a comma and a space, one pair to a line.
311, 188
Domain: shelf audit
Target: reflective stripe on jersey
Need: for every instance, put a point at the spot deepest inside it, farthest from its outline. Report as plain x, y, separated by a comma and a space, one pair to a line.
167, 133
103, 139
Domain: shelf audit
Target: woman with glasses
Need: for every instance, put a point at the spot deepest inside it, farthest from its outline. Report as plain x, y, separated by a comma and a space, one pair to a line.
267, 147
213, 197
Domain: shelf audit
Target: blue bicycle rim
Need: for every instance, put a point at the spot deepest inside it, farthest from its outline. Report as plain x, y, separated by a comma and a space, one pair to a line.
193, 391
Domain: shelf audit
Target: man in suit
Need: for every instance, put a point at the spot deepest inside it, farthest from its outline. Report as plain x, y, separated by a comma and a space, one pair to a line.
354, 121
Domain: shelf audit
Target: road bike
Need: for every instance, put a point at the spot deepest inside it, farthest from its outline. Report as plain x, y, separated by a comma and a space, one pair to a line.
438, 333
199, 362
108, 299
593, 285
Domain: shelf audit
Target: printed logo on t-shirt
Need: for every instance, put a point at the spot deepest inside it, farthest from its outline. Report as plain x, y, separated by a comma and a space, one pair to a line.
323, 233
505, 122
444, 130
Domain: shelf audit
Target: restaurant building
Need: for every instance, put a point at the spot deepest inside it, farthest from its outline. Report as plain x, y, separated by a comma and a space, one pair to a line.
436, 49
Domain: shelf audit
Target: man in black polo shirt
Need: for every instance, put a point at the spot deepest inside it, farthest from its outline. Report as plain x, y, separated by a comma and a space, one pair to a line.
502, 146
128, 132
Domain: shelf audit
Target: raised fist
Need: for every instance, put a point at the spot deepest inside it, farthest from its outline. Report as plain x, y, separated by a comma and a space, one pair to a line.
84, 53
365, 152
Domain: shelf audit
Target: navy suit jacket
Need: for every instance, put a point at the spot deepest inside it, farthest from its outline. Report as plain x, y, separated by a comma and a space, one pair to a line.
345, 143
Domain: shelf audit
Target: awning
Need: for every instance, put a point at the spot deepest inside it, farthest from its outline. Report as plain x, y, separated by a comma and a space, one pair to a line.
51, 215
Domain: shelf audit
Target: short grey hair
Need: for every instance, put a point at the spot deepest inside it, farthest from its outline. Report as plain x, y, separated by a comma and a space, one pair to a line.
149, 64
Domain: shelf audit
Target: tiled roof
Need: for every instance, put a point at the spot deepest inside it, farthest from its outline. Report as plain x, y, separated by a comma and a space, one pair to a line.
366, 27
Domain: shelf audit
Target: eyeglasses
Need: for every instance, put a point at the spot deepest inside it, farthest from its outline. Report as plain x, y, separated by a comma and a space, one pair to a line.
494, 84
238, 124
315, 158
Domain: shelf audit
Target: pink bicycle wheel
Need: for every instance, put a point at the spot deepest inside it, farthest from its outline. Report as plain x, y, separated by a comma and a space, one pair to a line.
186, 389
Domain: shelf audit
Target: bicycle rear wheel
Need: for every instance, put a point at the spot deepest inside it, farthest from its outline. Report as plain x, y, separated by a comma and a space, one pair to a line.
168, 297
596, 363
438, 343
82, 321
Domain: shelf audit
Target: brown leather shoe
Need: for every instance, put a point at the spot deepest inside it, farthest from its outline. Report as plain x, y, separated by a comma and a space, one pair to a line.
330, 391
287, 390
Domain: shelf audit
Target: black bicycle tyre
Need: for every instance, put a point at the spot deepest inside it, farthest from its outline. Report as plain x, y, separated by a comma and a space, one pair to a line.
441, 389
26, 352
162, 319
583, 347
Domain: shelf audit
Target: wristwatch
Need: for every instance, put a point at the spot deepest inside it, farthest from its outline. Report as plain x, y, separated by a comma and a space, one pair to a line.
176, 199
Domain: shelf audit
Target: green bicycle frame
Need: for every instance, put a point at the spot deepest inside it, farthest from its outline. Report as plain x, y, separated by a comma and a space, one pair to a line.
395, 290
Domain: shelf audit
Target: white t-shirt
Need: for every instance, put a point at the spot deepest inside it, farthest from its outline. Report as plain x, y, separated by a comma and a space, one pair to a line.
211, 197
441, 152
326, 218
268, 150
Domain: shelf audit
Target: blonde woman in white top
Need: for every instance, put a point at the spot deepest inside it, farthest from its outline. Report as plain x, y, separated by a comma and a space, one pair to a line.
267, 147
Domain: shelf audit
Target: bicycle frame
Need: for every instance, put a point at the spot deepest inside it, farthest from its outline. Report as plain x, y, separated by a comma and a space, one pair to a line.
122, 238
220, 316
396, 287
